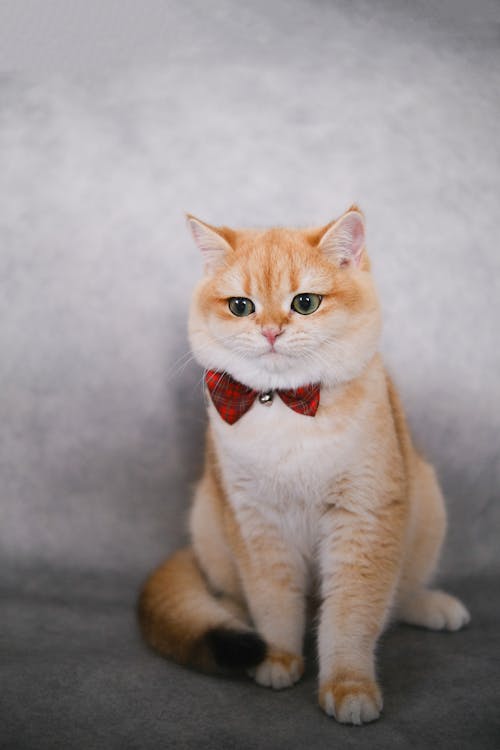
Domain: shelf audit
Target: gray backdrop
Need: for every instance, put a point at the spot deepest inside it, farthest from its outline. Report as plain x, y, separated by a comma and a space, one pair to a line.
116, 118
281, 113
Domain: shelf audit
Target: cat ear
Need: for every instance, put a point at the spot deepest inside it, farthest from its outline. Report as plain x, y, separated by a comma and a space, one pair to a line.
344, 241
213, 246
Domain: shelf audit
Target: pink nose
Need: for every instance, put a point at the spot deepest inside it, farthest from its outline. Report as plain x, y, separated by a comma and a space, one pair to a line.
271, 334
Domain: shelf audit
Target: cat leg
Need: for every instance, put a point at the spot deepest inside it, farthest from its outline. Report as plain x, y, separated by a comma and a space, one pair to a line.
273, 578
211, 546
433, 609
233, 642
417, 604
360, 558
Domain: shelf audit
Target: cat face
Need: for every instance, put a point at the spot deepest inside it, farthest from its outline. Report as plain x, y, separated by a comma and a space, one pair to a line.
285, 307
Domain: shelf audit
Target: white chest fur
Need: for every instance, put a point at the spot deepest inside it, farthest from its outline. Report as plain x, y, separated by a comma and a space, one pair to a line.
281, 467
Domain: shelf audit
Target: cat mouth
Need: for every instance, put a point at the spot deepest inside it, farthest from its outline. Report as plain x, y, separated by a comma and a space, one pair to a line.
272, 352
273, 358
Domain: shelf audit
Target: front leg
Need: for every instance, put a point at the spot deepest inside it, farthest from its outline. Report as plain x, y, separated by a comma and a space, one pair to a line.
360, 559
273, 578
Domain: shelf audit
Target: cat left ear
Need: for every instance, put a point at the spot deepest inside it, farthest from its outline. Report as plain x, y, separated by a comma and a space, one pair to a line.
344, 242
213, 246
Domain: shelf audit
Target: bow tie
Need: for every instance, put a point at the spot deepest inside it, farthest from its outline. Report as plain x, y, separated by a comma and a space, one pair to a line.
233, 399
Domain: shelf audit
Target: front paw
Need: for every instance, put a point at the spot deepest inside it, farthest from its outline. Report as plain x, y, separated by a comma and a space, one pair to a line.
279, 670
351, 699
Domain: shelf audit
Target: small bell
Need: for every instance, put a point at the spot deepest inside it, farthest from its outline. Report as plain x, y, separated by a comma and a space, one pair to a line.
266, 398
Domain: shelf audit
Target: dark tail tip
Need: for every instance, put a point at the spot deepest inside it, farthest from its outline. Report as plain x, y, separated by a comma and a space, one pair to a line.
236, 649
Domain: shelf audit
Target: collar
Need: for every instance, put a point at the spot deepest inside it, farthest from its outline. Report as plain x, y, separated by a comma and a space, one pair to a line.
233, 399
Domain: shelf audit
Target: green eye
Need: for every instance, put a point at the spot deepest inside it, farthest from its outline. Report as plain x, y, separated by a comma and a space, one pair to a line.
241, 306
305, 304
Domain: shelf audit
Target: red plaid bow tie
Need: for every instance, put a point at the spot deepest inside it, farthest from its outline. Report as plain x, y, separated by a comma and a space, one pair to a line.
233, 399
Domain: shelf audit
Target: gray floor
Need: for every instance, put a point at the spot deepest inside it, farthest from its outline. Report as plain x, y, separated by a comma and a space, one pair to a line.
76, 675
114, 120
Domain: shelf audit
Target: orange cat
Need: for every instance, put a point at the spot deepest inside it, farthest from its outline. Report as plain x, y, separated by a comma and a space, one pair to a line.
311, 481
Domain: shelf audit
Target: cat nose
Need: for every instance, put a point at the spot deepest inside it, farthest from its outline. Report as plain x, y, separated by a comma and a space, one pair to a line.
271, 333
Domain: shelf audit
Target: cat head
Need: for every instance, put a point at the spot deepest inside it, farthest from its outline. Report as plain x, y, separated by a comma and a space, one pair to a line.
281, 308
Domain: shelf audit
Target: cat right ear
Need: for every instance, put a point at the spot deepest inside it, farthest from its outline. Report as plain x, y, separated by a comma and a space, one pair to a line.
213, 246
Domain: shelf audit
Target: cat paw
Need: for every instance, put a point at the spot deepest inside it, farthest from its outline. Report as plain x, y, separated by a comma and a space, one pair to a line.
351, 700
279, 670
434, 610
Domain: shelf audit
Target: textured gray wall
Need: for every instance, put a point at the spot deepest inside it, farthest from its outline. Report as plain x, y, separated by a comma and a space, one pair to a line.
116, 118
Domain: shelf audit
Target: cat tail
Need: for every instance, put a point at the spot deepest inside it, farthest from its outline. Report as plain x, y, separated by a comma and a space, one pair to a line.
181, 618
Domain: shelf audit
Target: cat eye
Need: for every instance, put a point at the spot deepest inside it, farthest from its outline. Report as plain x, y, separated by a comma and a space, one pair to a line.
305, 304
241, 306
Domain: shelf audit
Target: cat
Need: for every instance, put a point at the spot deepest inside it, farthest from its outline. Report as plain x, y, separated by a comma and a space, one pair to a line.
311, 481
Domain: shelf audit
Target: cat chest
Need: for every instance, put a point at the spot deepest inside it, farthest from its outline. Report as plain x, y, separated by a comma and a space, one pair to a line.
274, 453
280, 470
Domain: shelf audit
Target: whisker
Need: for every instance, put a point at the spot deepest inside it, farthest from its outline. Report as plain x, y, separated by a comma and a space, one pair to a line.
178, 367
